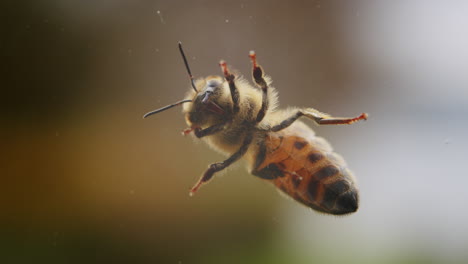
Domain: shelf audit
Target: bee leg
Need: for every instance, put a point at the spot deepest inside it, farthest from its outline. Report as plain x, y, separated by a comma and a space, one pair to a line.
232, 86
199, 132
215, 167
324, 119
187, 131
319, 118
258, 75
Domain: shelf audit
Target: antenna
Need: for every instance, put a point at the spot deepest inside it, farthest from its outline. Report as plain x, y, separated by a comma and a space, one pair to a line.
166, 107
187, 66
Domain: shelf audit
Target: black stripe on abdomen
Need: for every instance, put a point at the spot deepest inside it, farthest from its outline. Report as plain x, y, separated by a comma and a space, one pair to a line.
326, 172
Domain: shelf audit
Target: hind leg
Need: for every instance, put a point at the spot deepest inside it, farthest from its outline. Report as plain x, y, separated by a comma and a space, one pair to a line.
319, 117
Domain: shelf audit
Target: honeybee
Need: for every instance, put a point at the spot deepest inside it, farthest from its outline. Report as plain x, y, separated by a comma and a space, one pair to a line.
241, 121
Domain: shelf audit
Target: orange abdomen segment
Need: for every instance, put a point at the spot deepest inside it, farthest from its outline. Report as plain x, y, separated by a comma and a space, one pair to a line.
304, 167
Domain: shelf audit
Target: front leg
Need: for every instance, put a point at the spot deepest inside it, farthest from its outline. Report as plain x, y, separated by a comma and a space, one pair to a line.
199, 133
259, 79
319, 117
232, 87
215, 167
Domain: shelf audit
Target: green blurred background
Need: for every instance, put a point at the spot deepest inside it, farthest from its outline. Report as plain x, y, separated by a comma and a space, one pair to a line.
86, 180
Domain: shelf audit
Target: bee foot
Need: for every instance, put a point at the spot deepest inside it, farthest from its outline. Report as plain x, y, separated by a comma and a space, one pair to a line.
195, 188
187, 131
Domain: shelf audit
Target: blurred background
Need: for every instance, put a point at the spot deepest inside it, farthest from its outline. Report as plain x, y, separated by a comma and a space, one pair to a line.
86, 180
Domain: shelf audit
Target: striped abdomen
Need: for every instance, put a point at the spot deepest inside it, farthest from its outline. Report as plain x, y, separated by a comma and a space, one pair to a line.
304, 167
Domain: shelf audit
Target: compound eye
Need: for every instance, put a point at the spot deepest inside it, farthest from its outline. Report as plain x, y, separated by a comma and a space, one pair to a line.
213, 83
210, 89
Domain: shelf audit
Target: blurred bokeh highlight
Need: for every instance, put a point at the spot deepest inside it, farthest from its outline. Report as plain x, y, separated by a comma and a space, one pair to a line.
86, 180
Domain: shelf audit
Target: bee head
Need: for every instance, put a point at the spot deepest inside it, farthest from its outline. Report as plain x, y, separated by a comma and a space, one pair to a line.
208, 101
210, 104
